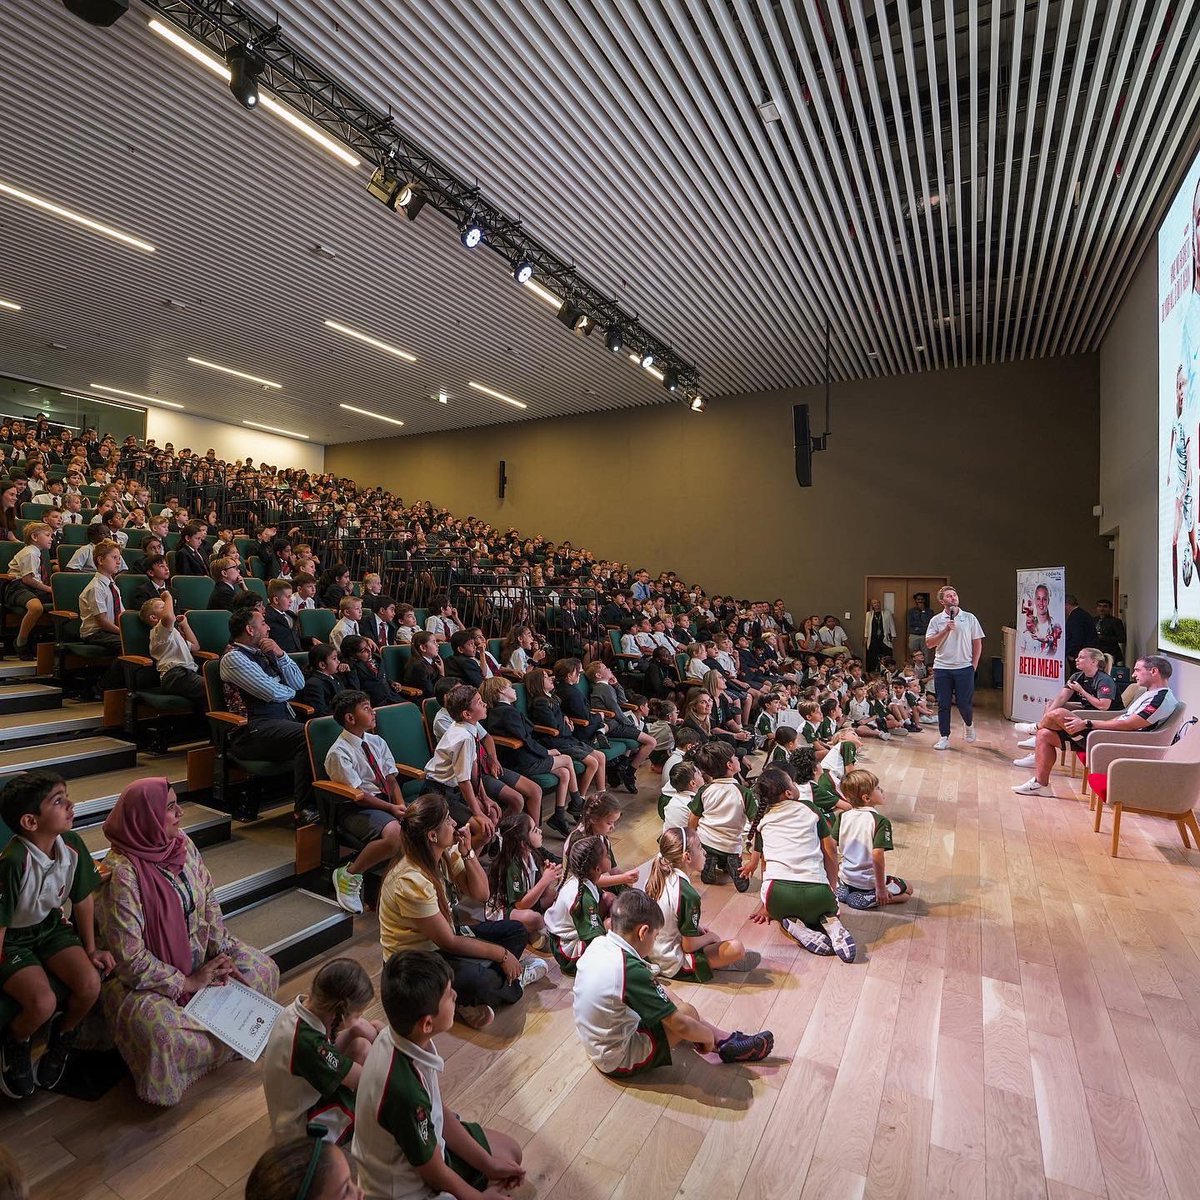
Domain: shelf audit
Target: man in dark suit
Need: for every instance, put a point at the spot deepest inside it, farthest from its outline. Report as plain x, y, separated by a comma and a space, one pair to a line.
189, 560
1080, 629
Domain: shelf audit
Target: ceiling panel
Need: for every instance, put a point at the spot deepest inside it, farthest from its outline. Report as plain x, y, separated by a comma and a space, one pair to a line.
946, 183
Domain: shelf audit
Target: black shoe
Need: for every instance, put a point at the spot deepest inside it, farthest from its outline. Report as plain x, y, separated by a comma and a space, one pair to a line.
53, 1063
575, 805
27, 652
746, 1047
629, 780
307, 816
16, 1070
709, 872
559, 823
733, 864
601, 741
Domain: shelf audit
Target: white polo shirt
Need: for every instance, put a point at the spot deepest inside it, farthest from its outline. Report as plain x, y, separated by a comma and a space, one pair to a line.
346, 762
789, 839
957, 650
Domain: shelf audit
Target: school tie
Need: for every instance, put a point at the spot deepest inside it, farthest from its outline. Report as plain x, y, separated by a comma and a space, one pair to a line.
44, 567
115, 593
374, 765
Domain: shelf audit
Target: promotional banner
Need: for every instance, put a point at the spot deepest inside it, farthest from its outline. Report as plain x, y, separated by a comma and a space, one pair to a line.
1041, 649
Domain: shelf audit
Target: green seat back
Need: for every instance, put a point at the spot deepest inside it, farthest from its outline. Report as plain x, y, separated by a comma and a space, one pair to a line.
137, 537
422, 615
74, 535
135, 634
401, 726
521, 704
496, 648
245, 546
171, 541
211, 627
430, 707
8, 551
395, 660
320, 733
67, 588
258, 588
445, 650
127, 585
317, 623
191, 591
34, 512
256, 567
91, 491
614, 640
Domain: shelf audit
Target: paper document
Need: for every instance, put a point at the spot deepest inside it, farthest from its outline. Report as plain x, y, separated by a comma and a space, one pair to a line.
237, 1015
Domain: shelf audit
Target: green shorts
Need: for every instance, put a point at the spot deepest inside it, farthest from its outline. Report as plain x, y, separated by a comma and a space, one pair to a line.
803, 902
653, 1051
33, 945
695, 968
566, 964
477, 1179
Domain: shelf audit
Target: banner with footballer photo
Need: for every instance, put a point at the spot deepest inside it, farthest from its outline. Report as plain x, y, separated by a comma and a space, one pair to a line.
1041, 646
1179, 421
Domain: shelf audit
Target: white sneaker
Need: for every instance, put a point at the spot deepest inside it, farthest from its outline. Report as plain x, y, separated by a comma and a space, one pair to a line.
812, 940
970, 734
1029, 743
943, 743
840, 938
929, 720
1027, 760
1031, 787
885, 737
1027, 727
532, 969
347, 887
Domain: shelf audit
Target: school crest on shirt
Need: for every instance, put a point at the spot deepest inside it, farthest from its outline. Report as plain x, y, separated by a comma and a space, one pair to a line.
658, 987
329, 1057
422, 1115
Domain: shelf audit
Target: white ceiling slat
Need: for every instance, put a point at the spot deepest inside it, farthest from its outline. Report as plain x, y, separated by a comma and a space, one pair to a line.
625, 135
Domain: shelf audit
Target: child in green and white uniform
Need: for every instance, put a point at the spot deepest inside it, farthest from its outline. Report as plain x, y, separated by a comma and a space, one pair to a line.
785, 744
767, 722
683, 948
522, 882
314, 1056
864, 835
675, 804
724, 808
793, 843
574, 919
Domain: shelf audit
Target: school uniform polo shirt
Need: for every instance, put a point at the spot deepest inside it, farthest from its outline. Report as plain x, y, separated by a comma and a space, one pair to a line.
724, 810
96, 600
28, 561
454, 759
617, 1001
398, 1126
169, 649
34, 886
573, 920
680, 905
789, 839
675, 809
343, 629
304, 1077
859, 831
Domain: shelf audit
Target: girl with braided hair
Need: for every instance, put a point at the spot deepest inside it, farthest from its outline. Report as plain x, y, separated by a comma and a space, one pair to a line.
793, 841
683, 948
574, 919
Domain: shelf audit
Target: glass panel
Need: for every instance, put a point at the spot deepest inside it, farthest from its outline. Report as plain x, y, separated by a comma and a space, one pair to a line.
24, 401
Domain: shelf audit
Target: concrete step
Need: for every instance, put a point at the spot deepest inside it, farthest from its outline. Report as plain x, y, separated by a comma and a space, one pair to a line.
14, 668
29, 697
22, 728
258, 861
205, 826
94, 795
69, 758
292, 927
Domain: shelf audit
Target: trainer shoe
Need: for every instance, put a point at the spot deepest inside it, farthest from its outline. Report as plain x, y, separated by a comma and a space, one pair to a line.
708, 873
913, 727
532, 969
885, 736
1028, 743
943, 743
1026, 727
559, 823
843, 944
733, 864
1031, 787
1026, 760
970, 734
53, 1063
929, 720
475, 1016
16, 1069
746, 1047
812, 940
347, 888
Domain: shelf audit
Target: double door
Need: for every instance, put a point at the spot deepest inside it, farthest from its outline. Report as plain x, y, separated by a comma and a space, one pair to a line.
895, 593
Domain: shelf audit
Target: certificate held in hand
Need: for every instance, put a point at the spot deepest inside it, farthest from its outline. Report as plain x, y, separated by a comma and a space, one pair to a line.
237, 1015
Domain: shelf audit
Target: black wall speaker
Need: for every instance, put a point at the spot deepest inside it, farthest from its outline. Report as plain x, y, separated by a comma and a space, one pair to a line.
802, 440
97, 12
503, 479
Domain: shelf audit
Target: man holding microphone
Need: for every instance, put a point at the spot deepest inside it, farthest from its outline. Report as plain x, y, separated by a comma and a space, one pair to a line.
956, 637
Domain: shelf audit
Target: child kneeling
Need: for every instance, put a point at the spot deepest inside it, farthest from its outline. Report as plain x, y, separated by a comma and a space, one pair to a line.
625, 1020
405, 1143
864, 835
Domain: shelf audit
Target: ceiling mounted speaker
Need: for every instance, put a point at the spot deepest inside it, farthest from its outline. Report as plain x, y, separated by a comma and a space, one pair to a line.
97, 12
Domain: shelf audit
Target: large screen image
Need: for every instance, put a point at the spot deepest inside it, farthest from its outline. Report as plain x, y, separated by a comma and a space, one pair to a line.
1179, 421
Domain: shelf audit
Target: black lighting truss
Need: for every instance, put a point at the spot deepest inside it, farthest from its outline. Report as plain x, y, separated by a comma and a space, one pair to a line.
221, 25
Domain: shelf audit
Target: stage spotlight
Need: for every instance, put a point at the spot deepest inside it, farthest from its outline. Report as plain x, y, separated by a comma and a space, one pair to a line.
522, 270
698, 403
416, 201
470, 235
647, 360
97, 12
614, 339
244, 68
670, 380
383, 186
575, 319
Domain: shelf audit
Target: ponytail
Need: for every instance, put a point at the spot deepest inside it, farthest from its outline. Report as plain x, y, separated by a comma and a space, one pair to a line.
584, 857
342, 988
772, 786
672, 845
420, 819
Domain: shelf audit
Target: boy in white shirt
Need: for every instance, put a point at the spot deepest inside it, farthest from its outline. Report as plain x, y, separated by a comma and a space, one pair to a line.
674, 805
350, 612
172, 646
725, 810
31, 587
454, 771
406, 624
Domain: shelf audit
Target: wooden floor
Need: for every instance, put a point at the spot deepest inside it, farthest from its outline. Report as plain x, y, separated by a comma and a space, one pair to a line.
1029, 1026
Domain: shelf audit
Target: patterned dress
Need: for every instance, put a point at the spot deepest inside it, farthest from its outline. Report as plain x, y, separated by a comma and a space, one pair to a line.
144, 997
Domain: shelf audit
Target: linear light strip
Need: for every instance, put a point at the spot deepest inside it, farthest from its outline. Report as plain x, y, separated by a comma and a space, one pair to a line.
543, 293
276, 429
269, 103
362, 412
212, 366
9, 304
100, 387
386, 347
487, 391
79, 219
108, 403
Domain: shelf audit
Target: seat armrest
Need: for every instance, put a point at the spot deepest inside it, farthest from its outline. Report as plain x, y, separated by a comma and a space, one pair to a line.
411, 772
343, 790
65, 614
604, 712
227, 718
548, 730
1106, 753
205, 655
136, 660
306, 709
511, 743
411, 691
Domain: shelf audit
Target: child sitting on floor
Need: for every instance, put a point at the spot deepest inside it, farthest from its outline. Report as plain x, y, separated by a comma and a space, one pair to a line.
574, 919
601, 812
523, 882
864, 836
675, 804
683, 948
785, 743
724, 807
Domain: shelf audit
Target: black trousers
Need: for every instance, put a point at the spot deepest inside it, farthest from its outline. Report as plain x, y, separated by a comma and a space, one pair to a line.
479, 980
179, 681
276, 740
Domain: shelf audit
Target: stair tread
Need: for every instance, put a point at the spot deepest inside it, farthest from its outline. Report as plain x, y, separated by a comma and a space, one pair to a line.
252, 850
70, 717
28, 689
50, 752
91, 789
274, 920
11, 668
193, 816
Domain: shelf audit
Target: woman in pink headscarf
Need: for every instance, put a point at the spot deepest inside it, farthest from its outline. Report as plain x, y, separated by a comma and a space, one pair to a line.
160, 919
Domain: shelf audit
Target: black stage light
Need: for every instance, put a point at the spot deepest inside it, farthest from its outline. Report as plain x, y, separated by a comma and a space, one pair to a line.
470, 235
522, 270
670, 380
614, 339
244, 69
697, 403
575, 319
97, 12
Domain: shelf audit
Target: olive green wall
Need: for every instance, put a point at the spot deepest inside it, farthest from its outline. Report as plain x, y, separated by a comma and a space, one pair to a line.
970, 473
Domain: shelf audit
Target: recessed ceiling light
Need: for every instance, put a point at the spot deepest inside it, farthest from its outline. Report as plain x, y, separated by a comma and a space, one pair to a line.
79, 219
282, 111
543, 293
768, 110
442, 398
276, 429
10, 305
100, 387
362, 412
386, 347
487, 391
212, 366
